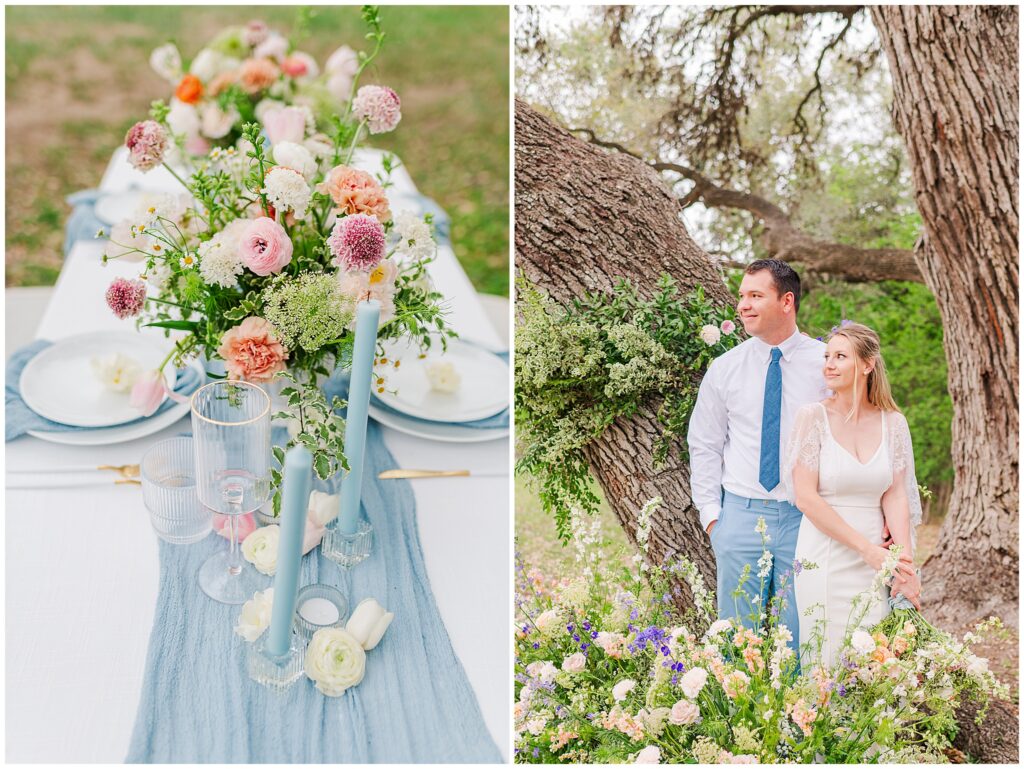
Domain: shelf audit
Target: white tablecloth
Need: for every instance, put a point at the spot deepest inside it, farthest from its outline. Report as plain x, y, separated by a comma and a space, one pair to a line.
82, 567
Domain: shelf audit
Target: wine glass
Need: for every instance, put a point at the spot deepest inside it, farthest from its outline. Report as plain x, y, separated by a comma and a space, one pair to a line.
231, 431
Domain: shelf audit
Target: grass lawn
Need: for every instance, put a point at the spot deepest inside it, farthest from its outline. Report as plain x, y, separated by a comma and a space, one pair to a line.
78, 77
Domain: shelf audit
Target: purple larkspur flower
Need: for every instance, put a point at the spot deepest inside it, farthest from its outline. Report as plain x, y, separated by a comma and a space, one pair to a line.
357, 242
841, 691
126, 297
536, 646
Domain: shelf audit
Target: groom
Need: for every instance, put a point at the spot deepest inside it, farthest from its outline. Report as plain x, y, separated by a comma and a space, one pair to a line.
737, 433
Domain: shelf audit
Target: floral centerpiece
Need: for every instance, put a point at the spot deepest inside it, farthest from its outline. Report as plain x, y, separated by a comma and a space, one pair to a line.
260, 261
607, 671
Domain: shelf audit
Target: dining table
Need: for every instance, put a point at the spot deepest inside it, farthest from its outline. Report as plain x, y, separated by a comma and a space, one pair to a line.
82, 561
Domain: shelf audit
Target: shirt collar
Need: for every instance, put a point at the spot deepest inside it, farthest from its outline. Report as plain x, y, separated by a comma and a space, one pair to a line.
788, 347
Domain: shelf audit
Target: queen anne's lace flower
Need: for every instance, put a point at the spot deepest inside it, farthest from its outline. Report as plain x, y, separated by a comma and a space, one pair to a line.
286, 189
379, 106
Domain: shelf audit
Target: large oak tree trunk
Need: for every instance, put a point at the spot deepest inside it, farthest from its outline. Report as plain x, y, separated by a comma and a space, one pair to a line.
585, 218
955, 93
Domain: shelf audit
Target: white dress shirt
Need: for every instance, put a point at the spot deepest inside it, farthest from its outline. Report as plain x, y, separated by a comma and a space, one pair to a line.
725, 428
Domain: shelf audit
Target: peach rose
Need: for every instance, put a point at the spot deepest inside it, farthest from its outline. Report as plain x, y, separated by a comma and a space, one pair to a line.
251, 351
189, 90
265, 247
257, 75
356, 192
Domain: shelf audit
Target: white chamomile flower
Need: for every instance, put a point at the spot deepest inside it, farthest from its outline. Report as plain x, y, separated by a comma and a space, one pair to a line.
188, 261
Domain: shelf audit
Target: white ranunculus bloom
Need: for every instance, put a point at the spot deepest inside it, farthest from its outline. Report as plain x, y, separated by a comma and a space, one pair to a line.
710, 334
693, 681
862, 642
368, 623
183, 119
255, 616
260, 549
295, 157
335, 661
166, 62
215, 122
323, 507
116, 372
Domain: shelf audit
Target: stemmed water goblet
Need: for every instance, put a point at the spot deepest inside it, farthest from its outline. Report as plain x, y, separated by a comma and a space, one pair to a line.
231, 432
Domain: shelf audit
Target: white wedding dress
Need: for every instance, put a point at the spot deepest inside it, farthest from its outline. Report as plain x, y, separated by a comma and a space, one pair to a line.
825, 595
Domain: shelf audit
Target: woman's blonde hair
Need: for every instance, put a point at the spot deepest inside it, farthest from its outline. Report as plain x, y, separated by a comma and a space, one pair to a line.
867, 346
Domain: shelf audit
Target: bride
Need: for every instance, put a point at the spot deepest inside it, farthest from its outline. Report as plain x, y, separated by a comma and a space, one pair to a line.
850, 469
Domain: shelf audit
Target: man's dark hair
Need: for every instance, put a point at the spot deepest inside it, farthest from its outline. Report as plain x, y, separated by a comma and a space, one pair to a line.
784, 277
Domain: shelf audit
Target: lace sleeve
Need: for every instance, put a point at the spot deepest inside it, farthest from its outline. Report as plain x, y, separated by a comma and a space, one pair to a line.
902, 458
804, 445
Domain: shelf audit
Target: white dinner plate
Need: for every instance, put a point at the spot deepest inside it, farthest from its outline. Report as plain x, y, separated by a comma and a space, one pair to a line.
115, 207
109, 435
436, 431
482, 392
60, 385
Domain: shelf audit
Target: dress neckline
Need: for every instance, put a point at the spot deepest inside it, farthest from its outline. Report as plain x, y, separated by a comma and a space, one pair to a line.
874, 456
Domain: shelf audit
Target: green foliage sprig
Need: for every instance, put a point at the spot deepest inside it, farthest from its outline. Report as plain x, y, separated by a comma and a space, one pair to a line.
606, 356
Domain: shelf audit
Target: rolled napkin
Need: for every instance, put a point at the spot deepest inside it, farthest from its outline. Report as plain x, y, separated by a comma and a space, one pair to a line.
21, 419
83, 222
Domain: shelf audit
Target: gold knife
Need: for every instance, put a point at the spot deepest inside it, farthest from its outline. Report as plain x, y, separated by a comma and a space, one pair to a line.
392, 474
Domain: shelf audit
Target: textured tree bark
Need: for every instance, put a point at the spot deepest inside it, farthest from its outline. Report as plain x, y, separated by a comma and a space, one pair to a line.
955, 90
584, 219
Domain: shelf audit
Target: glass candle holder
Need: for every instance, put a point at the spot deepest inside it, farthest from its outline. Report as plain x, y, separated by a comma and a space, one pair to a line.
348, 550
167, 473
319, 606
276, 672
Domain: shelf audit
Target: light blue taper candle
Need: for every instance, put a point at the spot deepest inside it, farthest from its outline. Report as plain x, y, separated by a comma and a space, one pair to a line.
298, 466
367, 316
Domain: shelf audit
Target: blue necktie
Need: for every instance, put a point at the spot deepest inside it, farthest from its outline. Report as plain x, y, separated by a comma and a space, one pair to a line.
770, 423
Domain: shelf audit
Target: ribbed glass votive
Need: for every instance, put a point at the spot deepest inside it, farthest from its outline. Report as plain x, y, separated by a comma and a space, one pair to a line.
348, 550
168, 478
276, 672
319, 606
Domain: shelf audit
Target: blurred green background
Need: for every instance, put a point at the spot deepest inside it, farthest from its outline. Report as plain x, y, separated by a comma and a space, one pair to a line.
78, 77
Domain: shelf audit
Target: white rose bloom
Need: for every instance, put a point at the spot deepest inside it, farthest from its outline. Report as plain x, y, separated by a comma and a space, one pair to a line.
335, 661
216, 123
710, 334
649, 755
286, 189
693, 681
323, 507
296, 157
547, 622
622, 689
166, 62
443, 377
183, 119
862, 642
116, 372
255, 616
574, 663
207, 65
260, 549
368, 623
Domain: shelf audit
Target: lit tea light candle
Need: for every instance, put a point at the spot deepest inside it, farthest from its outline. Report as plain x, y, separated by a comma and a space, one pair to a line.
319, 611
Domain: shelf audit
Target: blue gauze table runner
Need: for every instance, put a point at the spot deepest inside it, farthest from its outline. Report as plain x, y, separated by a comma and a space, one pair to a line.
414, 705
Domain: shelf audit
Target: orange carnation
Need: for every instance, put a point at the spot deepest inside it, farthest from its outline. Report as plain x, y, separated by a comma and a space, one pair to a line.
356, 192
190, 89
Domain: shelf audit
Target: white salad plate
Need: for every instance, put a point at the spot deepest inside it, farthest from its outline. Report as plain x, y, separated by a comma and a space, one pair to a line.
118, 206
436, 431
482, 392
59, 383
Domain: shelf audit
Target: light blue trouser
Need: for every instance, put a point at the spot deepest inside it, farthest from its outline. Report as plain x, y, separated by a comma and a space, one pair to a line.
736, 543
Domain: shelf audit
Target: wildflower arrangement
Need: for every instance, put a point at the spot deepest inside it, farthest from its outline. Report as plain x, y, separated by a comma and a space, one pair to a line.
254, 73
607, 671
260, 262
581, 367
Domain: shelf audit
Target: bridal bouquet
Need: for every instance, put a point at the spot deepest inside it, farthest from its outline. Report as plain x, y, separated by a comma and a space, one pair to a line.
608, 672
262, 259
249, 74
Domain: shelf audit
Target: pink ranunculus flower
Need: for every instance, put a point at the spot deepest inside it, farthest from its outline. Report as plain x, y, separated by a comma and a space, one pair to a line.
265, 247
355, 192
299, 65
246, 525
379, 106
251, 351
285, 124
727, 327
147, 144
358, 242
148, 392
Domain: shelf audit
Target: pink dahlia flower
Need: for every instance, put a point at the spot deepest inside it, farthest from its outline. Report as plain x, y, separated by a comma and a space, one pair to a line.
357, 242
126, 297
379, 106
356, 192
147, 144
251, 351
265, 247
